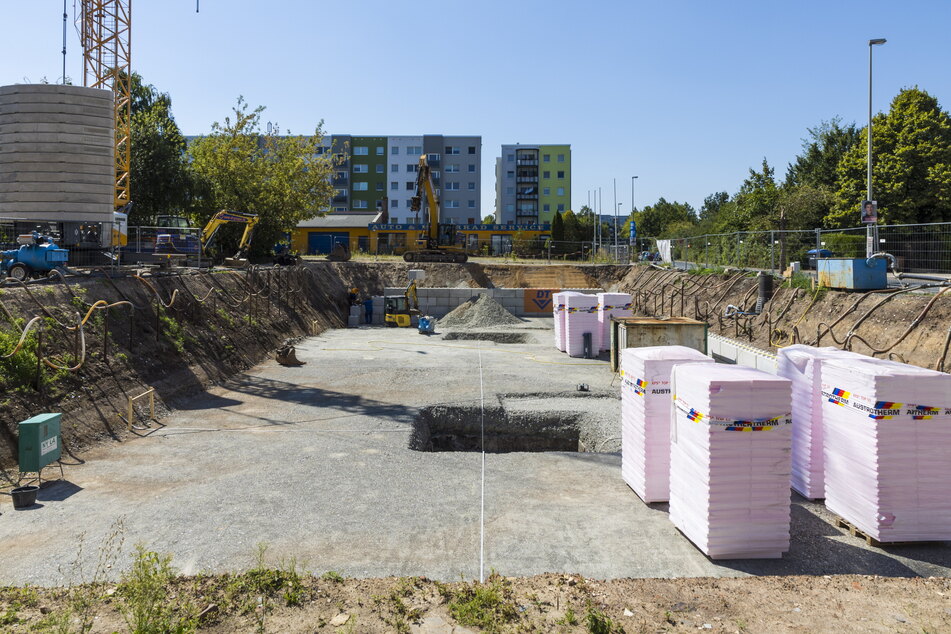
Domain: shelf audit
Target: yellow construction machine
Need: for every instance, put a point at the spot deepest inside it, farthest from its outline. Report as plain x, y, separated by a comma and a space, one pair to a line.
223, 217
398, 311
439, 245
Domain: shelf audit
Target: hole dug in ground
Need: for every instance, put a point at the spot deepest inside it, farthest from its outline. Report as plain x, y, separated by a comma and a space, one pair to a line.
459, 428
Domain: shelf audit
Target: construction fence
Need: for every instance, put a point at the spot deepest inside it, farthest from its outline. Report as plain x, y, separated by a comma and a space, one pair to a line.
919, 248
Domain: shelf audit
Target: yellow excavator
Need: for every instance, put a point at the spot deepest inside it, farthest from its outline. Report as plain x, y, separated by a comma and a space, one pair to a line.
398, 311
439, 244
223, 217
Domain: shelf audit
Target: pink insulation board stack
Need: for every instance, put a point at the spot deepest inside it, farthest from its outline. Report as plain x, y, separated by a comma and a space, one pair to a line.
559, 314
581, 316
646, 415
802, 365
886, 447
729, 460
611, 305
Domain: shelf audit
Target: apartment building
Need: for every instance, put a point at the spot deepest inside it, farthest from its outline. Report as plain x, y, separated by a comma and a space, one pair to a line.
378, 170
532, 182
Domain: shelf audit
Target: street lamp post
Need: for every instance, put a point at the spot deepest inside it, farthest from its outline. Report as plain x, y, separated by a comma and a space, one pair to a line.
871, 241
633, 199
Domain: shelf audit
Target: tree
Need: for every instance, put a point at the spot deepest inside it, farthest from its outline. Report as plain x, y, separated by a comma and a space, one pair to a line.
488, 220
911, 148
756, 204
557, 228
159, 174
712, 205
572, 227
653, 220
817, 164
282, 179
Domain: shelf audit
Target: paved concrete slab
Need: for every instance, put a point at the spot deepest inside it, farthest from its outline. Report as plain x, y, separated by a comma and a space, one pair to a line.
314, 461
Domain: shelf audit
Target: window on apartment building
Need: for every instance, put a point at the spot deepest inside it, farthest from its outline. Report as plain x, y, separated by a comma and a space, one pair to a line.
361, 168
452, 169
435, 174
410, 186
546, 158
452, 204
360, 204
412, 168
452, 149
510, 174
471, 204
546, 191
561, 191
394, 204
471, 187
546, 174
361, 150
561, 158
452, 187
395, 150
361, 186
342, 192
379, 150
561, 207
379, 187
561, 174
340, 208
546, 207
414, 150
379, 168
432, 158
471, 149
510, 158
394, 185
472, 168
394, 167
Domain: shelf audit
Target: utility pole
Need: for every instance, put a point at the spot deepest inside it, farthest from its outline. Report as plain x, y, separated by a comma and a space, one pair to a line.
871, 239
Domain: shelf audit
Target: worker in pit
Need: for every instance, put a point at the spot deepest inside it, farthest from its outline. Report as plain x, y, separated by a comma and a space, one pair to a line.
354, 297
368, 310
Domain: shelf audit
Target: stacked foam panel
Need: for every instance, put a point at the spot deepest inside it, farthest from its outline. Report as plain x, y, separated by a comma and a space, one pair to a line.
802, 365
887, 442
611, 305
581, 316
559, 314
646, 414
729, 460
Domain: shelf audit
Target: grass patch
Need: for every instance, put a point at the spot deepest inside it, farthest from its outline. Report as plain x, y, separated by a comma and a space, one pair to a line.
144, 600
489, 605
597, 622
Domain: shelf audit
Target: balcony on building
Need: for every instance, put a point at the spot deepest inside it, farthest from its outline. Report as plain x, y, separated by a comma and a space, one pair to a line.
340, 179
339, 199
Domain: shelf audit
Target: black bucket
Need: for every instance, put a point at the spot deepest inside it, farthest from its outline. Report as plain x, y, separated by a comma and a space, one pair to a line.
24, 497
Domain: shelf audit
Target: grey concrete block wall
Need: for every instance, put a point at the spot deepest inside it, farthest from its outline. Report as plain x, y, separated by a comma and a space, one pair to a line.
56, 152
440, 301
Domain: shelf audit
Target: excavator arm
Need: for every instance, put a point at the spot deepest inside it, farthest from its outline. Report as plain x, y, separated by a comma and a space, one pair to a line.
440, 238
223, 217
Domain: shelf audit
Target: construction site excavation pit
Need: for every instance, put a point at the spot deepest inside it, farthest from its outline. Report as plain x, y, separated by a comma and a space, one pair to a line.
519, 423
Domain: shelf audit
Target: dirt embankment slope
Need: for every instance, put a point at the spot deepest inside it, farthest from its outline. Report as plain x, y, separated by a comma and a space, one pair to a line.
177, 334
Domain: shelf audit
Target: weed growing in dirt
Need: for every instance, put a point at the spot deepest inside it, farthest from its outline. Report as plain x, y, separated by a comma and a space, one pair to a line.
332, 576
85, 590
490, 605
597, 622
172, 330
226, 317
17, 599
252, 590
569, 618
145, 604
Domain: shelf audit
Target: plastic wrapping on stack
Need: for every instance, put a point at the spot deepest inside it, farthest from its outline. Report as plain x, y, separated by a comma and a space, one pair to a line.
581, 316
611, 305
646, 414
887, 442
559, 313
729, 460
802, 365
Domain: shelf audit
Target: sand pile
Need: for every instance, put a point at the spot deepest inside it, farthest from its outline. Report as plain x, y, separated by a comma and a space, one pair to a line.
479, 311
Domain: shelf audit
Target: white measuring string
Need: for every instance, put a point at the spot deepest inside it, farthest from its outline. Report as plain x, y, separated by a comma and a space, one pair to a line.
482, 510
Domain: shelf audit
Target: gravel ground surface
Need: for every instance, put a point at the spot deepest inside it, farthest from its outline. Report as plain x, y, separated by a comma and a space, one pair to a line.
480, 311
314, 461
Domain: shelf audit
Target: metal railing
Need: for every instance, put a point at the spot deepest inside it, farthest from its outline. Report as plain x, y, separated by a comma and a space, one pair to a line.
918, 248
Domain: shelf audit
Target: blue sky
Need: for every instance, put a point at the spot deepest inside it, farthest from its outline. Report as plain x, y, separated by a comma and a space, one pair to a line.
687, 95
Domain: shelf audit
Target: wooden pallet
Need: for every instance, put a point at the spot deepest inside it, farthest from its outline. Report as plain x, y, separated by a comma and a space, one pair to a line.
855, 531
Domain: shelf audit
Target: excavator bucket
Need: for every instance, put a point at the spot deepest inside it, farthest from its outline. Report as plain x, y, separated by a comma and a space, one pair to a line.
340, 253
287, 355
236, 263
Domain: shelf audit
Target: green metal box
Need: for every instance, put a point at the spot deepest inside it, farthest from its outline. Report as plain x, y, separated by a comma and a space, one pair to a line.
40, 442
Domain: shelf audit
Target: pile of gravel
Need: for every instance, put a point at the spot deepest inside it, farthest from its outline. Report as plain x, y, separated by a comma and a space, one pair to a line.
479, 311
